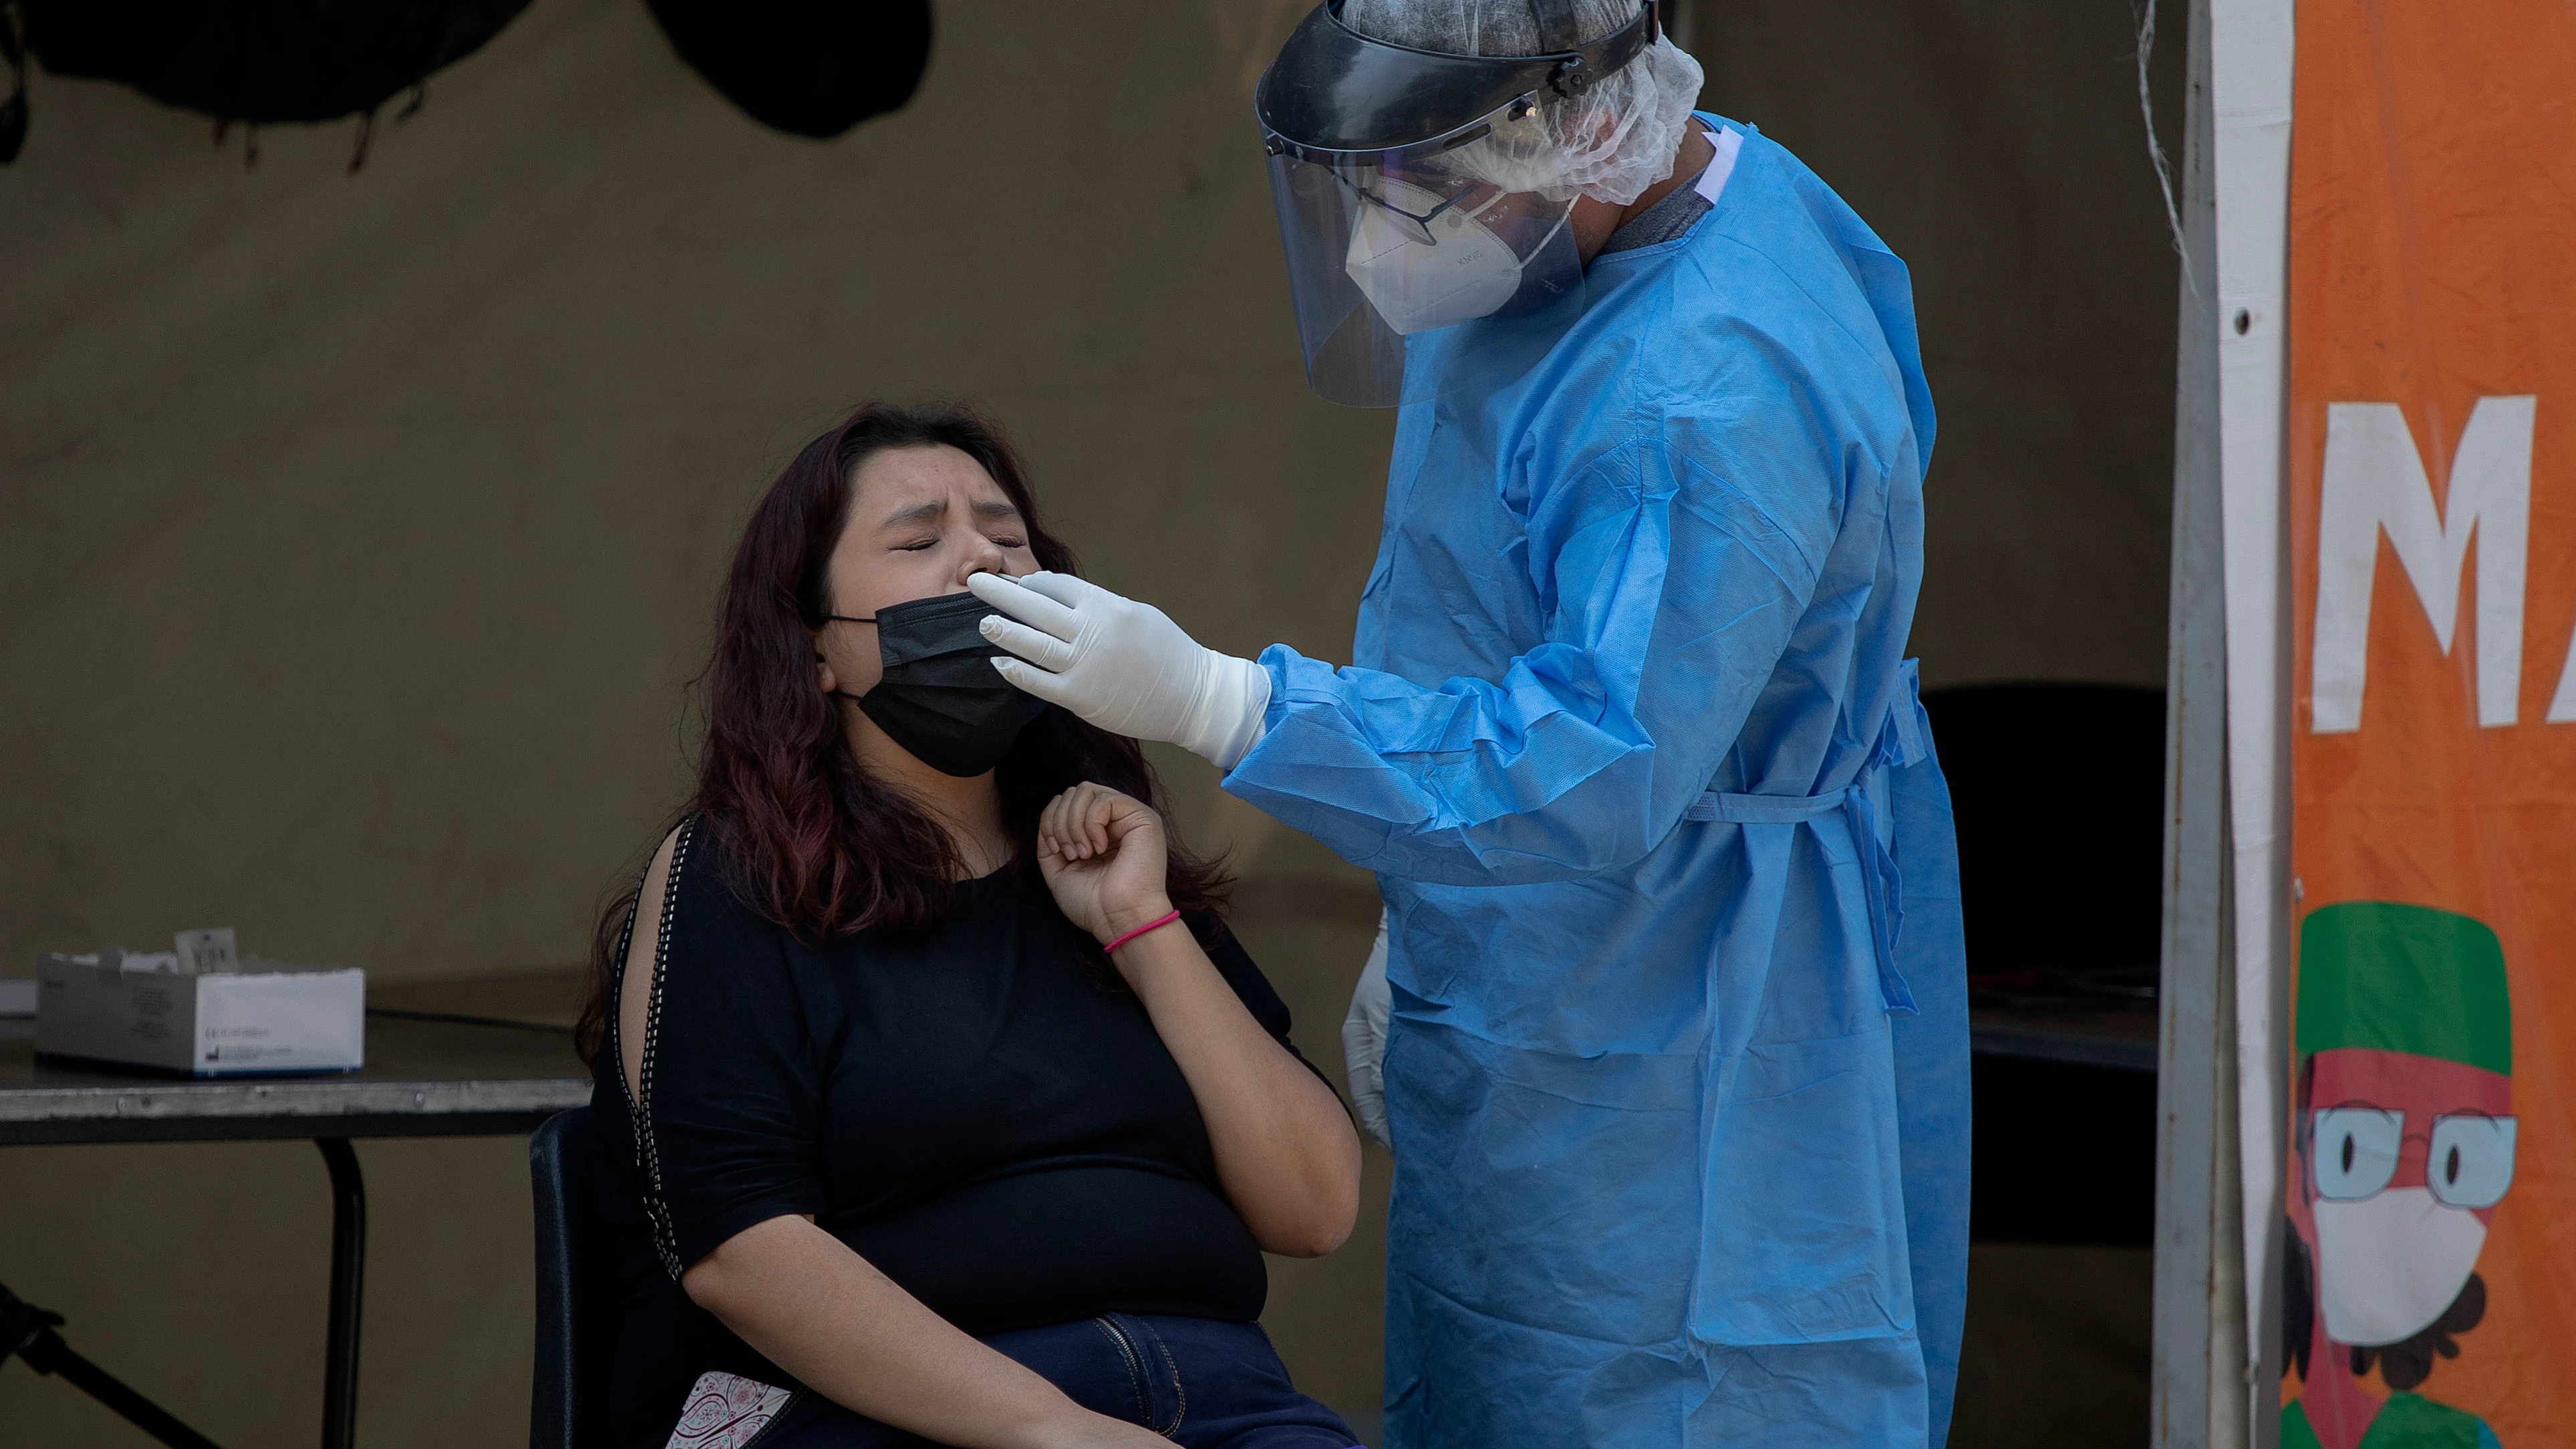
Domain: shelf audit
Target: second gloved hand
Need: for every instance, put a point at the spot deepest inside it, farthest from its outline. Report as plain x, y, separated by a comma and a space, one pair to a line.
1364, 1042
1123, 665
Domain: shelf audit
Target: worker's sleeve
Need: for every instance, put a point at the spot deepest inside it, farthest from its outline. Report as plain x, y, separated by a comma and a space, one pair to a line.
1670, 572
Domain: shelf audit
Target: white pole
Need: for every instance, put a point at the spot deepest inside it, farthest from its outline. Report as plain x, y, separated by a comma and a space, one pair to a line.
2220, 1096
2250, 88
2199, 1282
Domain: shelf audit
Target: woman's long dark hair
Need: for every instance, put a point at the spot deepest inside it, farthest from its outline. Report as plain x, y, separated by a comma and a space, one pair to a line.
813, 841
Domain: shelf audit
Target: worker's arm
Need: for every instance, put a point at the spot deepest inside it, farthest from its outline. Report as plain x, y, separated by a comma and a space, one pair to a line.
1671, 573
1670, 570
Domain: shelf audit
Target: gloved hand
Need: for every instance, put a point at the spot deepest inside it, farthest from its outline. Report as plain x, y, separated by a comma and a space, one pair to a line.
1122, 665
1364, 1042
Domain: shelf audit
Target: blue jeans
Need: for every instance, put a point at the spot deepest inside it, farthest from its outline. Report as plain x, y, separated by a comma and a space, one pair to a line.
1198, 1382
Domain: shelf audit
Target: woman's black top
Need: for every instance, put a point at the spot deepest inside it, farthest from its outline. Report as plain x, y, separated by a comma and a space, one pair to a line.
976, 1109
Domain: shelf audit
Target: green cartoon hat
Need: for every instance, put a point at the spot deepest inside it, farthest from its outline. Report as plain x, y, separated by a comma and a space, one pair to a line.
2404, 979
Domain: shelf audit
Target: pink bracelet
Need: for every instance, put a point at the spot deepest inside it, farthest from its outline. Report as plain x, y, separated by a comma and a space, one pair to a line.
1112, 948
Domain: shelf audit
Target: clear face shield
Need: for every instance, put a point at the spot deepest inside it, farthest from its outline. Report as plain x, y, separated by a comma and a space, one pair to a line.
1415, 274
1423, 206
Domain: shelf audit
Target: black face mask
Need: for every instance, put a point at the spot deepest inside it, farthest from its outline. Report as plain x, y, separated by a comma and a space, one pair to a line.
941, 698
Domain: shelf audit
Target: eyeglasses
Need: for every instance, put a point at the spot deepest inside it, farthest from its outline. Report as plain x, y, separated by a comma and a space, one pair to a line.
1416, 227
2468, 1162
1413, 228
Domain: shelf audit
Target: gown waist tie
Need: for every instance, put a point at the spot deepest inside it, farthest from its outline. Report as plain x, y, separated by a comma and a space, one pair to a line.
1901, 742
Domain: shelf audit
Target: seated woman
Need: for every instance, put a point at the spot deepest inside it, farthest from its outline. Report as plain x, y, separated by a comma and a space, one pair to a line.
925, 1116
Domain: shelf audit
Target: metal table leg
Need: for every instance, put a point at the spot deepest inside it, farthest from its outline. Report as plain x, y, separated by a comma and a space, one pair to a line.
348, 1269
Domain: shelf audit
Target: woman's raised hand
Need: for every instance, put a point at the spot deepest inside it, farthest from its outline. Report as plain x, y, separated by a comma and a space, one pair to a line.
1285, 1152
1103, 856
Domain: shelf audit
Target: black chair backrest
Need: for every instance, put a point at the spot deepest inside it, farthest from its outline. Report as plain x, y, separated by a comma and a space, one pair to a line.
2059, 794
577, 1303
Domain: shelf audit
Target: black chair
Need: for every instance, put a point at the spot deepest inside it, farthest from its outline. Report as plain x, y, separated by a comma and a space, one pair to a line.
577, 1304
2059, 794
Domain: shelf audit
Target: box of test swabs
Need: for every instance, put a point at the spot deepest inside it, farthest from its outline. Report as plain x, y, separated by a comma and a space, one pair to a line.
198, 1011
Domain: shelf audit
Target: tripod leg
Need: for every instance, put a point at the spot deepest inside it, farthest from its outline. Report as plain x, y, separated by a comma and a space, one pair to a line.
348, 1271
28, 1331
96, 1382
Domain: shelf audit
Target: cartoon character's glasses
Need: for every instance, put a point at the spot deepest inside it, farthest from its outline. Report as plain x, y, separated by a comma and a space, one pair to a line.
2468, 1162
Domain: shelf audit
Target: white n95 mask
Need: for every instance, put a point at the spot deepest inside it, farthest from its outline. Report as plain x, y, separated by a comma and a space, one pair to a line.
1425, 263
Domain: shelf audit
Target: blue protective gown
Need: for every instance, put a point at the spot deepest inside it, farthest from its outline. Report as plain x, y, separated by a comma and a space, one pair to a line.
1680, 1115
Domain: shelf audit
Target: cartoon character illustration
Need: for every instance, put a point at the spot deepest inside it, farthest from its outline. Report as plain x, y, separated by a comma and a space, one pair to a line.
2404, 1145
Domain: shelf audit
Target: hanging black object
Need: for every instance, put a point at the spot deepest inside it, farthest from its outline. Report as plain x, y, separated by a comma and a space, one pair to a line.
13, 109
806, 67
264, 62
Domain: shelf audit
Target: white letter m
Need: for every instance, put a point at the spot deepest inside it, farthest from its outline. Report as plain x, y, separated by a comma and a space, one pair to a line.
2374, 480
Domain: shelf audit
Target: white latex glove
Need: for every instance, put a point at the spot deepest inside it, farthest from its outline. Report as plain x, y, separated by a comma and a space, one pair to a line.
1364, 1042
1122, 665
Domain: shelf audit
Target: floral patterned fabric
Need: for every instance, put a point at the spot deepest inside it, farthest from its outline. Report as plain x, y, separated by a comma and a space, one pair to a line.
727, 1411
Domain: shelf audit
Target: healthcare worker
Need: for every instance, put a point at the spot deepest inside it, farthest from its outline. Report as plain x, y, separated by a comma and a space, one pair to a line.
1676, 1061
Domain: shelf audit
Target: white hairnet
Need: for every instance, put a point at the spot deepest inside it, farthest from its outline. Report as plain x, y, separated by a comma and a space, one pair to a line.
1611, 144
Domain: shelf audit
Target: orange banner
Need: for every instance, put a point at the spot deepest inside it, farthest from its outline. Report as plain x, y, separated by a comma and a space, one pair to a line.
2430, 1293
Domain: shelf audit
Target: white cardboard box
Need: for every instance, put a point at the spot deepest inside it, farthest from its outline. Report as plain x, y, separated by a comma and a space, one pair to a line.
211, 1025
